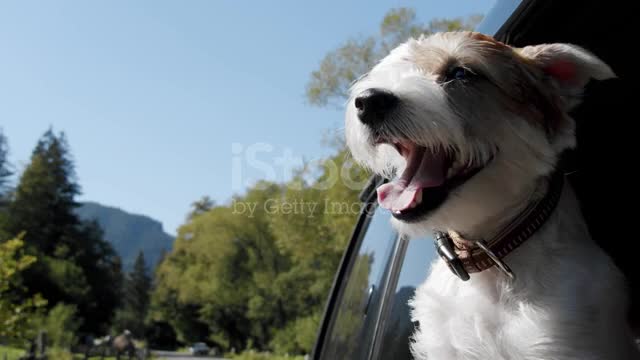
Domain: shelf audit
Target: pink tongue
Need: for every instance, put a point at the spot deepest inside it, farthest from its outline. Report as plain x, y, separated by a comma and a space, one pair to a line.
424, 169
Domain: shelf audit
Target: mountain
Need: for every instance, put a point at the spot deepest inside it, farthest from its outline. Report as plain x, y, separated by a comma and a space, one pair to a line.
129, 233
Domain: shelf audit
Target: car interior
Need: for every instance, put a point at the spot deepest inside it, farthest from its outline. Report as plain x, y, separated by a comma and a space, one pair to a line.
600, 168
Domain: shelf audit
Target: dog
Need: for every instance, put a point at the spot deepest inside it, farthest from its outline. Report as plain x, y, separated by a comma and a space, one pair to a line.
471, 132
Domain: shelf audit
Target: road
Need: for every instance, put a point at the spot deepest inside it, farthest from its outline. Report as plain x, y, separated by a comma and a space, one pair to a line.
172, 355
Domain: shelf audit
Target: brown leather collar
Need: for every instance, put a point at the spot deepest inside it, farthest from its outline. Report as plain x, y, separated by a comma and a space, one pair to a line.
467, 256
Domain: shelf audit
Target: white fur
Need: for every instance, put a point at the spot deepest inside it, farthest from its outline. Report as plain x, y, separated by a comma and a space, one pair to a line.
569, 301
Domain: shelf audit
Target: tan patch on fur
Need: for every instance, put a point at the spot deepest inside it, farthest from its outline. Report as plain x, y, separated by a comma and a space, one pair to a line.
487, 38
515, 77
432, 60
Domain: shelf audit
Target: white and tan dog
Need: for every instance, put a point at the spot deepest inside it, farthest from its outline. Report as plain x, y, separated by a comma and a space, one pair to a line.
472, 130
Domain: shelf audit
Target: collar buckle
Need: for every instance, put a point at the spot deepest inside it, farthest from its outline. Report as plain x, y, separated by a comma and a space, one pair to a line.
445, 248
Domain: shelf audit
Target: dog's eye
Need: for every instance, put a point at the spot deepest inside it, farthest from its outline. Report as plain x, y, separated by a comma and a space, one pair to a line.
458, 73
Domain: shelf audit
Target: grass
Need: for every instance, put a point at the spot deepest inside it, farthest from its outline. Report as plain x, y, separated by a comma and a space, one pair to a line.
10, 353
253, 355
81, 357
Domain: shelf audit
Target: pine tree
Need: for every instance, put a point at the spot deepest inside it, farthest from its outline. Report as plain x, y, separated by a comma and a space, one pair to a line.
5, 167
43, 204
136, 291
201, 206
75, 265
139, 285
5, 173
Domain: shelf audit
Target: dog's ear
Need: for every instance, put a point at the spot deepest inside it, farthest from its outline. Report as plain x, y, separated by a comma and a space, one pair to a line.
569, 65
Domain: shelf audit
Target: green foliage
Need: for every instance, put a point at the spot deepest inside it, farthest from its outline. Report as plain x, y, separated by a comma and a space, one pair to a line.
201, 206
59, 354
13, 353
67, 275
260, 279
10, 353
61, 324
76, 266
12, 261
161, 336
298, 336
329, 84
5, 167
5, 174
16, 311
210, 267
131, 316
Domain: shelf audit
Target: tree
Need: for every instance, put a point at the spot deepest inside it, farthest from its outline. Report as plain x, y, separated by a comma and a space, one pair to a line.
5, 167
75, 265
15, 311
201, 206
259, 280
139, 285
329, 85
103, 270
44, 200
5, 173
136, 291
220, 274
61, 325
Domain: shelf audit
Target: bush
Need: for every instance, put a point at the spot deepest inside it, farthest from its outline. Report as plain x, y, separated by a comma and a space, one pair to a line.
16, 312
61, 326
297, 337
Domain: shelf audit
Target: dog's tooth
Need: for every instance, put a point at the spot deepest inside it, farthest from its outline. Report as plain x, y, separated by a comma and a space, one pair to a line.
418, 199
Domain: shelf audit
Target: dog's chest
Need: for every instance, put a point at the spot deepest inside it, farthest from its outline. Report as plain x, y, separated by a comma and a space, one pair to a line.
546, 315
473, 320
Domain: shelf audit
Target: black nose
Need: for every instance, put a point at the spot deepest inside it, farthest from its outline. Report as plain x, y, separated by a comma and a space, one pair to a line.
374, 104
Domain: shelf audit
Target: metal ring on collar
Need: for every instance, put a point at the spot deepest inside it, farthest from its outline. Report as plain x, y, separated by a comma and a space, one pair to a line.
482, 245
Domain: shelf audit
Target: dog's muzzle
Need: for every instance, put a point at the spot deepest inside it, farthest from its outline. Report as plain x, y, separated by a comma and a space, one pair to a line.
374, 104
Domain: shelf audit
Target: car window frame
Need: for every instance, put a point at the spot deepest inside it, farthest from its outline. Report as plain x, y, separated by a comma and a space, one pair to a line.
390, 283
390, 274
346, 264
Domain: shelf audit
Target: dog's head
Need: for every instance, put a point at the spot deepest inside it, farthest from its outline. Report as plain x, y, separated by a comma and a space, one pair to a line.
465, 124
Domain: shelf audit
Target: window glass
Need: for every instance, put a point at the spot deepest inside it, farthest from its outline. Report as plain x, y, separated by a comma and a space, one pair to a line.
353, 327
416, 264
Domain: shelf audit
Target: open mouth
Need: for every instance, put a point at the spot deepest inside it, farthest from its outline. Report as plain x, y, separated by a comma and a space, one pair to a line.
428, 178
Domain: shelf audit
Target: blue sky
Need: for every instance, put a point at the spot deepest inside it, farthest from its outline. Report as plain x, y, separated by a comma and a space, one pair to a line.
153, 94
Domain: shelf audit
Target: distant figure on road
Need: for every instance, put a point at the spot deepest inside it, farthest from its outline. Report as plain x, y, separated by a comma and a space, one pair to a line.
123, 344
